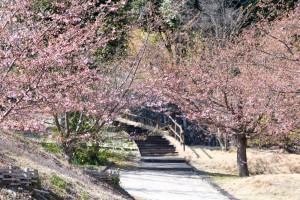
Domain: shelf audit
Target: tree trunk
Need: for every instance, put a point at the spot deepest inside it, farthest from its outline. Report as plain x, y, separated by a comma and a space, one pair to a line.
68, 151
226, 142
241, 155
222, 139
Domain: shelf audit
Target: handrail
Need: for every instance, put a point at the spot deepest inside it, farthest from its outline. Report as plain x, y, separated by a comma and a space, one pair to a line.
180, 136
172, 125
146, 120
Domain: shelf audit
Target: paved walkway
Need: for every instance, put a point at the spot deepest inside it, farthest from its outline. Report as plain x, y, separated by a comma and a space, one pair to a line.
168, 185
161, 177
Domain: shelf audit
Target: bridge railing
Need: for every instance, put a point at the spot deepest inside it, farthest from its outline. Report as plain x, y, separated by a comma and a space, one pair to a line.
177, 131
144, 120
174, 128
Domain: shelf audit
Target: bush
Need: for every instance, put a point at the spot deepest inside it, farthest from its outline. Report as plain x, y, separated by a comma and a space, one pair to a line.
103, 157
89, 155
116, 180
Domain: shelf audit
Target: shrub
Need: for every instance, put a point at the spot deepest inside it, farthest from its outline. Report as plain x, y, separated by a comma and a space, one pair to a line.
116, 180
103, 157
89, 155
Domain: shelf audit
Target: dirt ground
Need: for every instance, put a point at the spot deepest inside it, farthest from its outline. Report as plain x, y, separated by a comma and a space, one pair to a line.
274, 175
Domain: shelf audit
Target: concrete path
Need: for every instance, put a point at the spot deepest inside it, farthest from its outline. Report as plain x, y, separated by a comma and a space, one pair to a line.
165, 166
168, 185
161, 177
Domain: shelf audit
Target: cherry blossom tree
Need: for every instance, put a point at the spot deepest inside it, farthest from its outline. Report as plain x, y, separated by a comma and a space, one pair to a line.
250, 86
47, 63
35, 46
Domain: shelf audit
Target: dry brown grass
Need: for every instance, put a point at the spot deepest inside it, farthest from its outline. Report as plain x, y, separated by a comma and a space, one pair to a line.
259, 161
275, 175
264, 187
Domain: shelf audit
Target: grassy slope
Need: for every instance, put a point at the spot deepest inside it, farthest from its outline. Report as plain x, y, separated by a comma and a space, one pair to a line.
26, 152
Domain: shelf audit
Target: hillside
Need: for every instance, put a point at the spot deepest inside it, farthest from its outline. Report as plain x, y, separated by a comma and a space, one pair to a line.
25, 151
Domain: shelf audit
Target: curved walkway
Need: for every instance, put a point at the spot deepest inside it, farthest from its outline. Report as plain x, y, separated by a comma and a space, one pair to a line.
168, 185
164, 177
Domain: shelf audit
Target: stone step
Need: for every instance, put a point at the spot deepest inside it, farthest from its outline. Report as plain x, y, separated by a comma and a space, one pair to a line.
163, 159
153, 139
154, 145
151, 142
166, 166
159, 154
155, 136
156, 139
157, 148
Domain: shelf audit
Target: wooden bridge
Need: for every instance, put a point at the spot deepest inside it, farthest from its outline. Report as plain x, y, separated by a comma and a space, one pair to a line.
172, 126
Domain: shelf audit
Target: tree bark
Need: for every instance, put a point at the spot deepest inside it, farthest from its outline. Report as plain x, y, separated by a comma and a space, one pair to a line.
241, 155
68, 149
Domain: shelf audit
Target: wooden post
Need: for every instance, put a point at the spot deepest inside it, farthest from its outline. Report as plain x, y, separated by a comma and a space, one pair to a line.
175, 131
35, 177
27, 175
165, 119
184, 123
169, 129
183, 141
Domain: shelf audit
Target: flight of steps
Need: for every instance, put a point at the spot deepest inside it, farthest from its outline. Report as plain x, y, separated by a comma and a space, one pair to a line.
164, 164
155, 146
156, 152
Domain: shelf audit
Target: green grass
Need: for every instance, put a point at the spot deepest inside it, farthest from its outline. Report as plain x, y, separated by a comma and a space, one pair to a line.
52, 147
58, 182
85, 195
